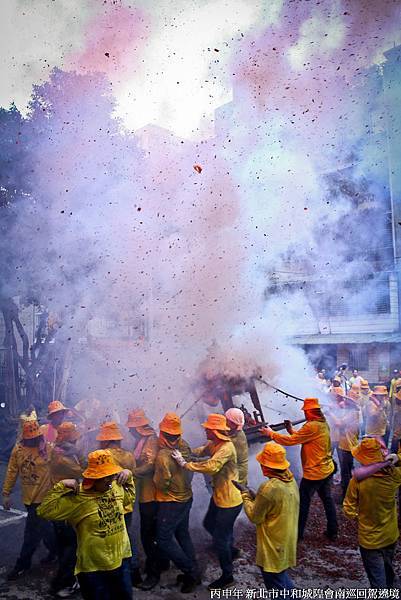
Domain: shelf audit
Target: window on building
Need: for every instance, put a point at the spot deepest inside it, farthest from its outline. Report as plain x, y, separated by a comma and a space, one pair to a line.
358, 358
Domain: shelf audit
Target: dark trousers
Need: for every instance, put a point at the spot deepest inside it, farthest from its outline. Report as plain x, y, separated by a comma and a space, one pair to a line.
277, 581
379, 566
173, 537
148, 519
307, 489
107, 585
219, 522
36, 530
67, 555
346, 466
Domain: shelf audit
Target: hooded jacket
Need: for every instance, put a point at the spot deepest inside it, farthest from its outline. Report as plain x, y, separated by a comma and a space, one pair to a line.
274, 511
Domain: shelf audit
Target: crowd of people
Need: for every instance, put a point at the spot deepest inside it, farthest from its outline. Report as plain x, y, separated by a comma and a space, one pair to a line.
81, 504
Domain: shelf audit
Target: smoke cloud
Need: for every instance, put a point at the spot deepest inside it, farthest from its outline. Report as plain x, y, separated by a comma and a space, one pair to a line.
122, 229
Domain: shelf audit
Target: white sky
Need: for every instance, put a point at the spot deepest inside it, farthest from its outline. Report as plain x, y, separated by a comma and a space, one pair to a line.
36, 36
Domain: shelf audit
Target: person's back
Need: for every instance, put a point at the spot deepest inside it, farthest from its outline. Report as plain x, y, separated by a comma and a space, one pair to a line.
241, 448
277, 534
374, 501
314, 436
371, 500
317, 463
316, 456
236, 420
274, 511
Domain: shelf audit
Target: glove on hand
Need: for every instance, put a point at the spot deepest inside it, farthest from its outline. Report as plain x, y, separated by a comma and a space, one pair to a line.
266, 431
178, 457
393, 458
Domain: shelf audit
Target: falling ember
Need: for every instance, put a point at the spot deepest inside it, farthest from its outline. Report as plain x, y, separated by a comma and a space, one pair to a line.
198, 168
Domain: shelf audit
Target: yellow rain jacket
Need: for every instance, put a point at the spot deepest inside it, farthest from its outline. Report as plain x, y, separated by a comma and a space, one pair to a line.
317, 462
173, 483
376, 418
126, 460
65, 463
275, 514
241, 447
33, 469
373, 503
98, 520
144, 470
223, 467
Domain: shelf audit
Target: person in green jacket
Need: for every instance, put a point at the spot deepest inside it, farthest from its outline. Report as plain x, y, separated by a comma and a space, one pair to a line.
274, 511
95, 509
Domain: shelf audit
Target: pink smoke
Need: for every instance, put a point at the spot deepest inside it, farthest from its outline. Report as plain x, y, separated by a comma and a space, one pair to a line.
112, 43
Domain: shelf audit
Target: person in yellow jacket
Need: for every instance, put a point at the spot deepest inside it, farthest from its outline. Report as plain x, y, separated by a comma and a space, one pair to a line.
235, 421
274, 511
347, 420
372, 502
110, 437
145, 452
378, 413
174, 495
56, 414
226, 502
317, 464
65, 463
95, 509
29, 461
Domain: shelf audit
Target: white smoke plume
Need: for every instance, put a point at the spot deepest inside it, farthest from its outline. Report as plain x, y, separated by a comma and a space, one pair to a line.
140, 232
